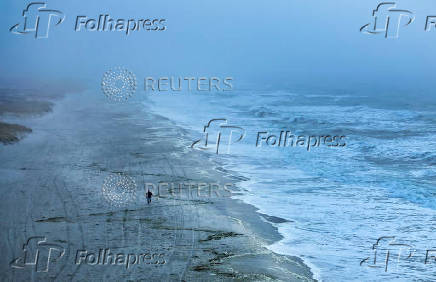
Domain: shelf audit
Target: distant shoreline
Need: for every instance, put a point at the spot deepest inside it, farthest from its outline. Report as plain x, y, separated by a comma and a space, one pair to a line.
19, 104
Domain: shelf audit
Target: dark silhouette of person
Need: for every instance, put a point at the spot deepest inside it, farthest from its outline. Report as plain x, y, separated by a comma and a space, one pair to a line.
149, 194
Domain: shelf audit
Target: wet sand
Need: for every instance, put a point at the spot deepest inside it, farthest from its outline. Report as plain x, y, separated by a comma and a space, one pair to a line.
51, 186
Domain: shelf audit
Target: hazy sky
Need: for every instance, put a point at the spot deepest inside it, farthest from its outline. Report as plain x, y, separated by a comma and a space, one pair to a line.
265, 43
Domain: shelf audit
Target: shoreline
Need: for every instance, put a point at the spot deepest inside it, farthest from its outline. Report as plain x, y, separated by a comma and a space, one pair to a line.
161, 105
276, 245
83, 141
273, 235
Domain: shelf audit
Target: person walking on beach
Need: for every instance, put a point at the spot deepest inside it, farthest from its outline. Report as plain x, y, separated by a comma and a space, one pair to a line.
149, 194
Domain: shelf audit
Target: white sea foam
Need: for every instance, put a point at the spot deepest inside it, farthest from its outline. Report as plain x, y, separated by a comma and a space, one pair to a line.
338, 201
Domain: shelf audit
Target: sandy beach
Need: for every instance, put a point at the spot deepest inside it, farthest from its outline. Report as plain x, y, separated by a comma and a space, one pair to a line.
51, 188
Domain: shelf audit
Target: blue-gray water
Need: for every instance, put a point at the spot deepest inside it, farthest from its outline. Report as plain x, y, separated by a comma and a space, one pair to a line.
339, 200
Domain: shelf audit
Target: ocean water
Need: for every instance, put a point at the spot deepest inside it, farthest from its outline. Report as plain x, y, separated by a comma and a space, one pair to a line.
338, 200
